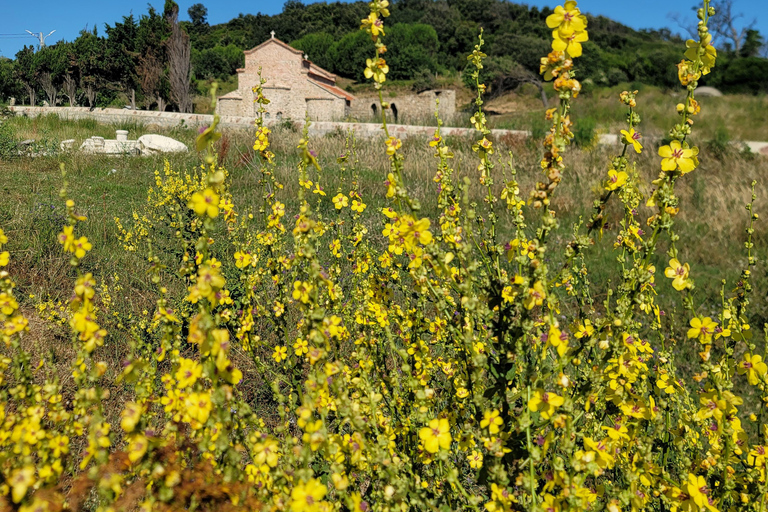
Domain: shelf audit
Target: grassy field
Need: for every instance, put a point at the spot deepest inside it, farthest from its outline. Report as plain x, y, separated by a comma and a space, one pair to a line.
711, 223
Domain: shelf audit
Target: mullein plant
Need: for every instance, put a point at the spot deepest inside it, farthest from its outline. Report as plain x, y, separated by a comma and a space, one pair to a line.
431, 364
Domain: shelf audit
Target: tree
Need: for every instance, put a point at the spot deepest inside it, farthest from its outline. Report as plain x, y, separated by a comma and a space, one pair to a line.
316, 46
26, 72
89, 59
726, 27
121, 56
150, 67
198, 14
51, 65
180, 67
753, 43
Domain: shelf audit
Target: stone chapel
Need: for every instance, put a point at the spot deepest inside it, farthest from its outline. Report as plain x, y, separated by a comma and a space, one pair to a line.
295, 86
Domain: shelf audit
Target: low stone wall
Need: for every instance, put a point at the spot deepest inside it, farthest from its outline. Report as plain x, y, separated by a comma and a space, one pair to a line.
362, 130
173, 119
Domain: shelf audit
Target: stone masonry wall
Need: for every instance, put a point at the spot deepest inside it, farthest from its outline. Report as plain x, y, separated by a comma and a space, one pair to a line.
320, 128
410, 107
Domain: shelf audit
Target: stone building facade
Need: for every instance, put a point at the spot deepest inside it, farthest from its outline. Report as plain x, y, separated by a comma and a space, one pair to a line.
295, 86
407, 108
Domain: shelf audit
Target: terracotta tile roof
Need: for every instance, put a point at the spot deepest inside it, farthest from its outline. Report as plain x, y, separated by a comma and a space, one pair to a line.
336, 91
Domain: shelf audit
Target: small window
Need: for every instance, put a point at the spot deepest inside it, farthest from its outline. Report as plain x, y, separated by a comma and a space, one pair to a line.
374, 109
279, 116
266, 115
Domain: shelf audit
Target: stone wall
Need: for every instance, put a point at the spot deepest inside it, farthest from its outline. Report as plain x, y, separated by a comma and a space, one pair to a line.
410, 108
319, 128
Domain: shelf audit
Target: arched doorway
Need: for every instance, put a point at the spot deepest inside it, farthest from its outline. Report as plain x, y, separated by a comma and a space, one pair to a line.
394, 111
374, 109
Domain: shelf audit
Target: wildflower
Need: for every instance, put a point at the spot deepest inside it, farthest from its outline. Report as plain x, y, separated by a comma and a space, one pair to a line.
567, 19
205, 203
545, 403
340, 201
393, 144
300, 347
308, 496
584, 329
616, 179
698, 492
675, 156
679, 274
242, 259
188, 373
358, 206
665, 384
81, 246
754, 367
280, 353
5, 257
569, 42
301, 291
20, 481
702, 328
262, 141
535, 296
492, 420
376, 69
130, 416
437, 435
708, 56
632, 137
198, 406
475, 459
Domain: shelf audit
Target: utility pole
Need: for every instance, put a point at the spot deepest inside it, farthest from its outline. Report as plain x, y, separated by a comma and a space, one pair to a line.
40, 37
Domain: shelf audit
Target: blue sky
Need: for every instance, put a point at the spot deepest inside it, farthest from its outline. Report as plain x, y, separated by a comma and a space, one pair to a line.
68, 18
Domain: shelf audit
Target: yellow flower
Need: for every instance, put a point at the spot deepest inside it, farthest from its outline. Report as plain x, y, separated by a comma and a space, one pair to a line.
667, 385
475, 459
616, 179
280, 353
492, 420
242, 259
679, 274
567, 19
205, 203
81, 246
702, 328
188, 373
632, 137
358, 206
137, 447
754, 367
130, 416
584, 329
20, 481
545, 403
300, 347
675, 156
301, 291
569, 42
436, 436
393, 144
67, 238
708, 57
308, 496
376, 68
698, 492
535, 296
198, 406
5, 257
340, 201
